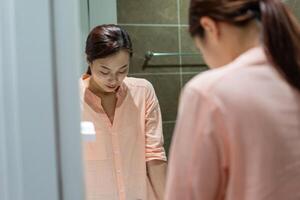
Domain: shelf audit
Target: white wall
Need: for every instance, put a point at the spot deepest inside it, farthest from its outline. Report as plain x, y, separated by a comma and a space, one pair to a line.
93, 13
40, 152
102, 12
84, 31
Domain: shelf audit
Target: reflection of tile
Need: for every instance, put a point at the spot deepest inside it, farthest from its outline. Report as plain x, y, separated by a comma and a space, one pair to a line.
147, 11
184, 7
294, 5
156, 39
296, 9
187, 45
167, 88
168, 133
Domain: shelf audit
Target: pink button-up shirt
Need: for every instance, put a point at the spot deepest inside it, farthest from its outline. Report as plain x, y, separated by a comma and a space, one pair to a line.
238, 135
115, 163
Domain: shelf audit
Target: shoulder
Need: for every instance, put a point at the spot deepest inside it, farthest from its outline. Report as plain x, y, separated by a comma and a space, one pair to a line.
206, 82
141, 87
239, 73
231, 87
138, 84
230, 83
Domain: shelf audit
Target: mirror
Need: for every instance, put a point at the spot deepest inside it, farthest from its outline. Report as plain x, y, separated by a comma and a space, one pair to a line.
130, 101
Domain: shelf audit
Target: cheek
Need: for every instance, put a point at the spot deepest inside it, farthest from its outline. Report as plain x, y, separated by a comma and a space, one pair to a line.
99, 79
203, 51
208, 56
210, 60
205, 55
122, 77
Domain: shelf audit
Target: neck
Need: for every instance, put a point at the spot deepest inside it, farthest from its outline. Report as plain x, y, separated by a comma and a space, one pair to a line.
241, 40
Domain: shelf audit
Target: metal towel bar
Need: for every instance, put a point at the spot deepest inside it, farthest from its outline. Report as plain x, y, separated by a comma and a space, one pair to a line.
151, 54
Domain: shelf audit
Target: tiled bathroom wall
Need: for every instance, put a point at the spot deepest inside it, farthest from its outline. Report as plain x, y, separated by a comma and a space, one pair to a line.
297, 8
161, 26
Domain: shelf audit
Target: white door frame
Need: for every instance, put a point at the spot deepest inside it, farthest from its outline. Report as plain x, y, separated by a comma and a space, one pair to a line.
40, 144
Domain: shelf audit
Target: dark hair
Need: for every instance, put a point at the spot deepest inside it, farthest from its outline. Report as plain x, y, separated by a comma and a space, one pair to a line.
106, 40
281, 31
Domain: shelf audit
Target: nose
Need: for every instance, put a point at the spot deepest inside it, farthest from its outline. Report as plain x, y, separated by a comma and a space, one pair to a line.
113, 79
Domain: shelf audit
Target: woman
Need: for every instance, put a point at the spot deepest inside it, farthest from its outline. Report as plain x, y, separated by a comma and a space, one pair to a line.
238, 131
127, 160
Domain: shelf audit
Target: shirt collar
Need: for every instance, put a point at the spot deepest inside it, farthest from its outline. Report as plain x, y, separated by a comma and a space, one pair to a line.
253, 56
93, 100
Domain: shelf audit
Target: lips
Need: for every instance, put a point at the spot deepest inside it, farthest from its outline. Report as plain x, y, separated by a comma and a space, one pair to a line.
111, 87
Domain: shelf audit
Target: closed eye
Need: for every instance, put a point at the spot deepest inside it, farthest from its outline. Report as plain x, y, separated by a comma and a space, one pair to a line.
123, 72
104, 73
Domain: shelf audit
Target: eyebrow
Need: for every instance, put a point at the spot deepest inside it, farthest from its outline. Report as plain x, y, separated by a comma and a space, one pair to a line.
124, 66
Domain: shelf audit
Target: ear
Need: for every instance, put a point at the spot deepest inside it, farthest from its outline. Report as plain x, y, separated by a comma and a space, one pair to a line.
210, 27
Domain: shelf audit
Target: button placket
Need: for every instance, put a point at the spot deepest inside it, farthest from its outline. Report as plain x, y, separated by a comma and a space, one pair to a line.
117, 159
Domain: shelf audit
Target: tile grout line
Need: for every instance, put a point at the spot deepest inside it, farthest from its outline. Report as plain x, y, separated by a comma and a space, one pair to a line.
169, 122
161, 73
179, 43
155, 25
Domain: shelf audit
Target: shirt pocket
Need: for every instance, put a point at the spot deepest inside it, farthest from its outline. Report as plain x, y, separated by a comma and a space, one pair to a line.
95, 150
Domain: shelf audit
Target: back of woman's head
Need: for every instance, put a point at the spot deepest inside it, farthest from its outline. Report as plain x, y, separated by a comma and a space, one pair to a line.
106, 40
280, 35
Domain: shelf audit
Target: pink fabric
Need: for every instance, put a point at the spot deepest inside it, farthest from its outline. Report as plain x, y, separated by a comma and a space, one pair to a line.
115, 164
237, 136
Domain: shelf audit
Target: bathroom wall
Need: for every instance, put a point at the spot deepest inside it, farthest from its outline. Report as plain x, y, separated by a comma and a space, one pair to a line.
93, 13
295, 6
161, 26
40, 152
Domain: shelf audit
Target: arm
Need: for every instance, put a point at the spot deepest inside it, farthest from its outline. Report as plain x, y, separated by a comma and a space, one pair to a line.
155, 153
157, 175
195, 169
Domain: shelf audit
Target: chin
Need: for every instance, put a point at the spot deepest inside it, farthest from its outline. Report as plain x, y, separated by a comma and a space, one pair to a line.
108, 89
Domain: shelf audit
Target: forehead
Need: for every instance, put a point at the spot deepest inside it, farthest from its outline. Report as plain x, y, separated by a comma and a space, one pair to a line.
113, 62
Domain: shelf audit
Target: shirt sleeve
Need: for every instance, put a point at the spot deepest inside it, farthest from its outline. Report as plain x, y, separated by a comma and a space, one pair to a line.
153, 127
195, 166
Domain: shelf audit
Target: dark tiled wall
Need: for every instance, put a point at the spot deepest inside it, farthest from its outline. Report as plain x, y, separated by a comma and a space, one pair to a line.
161, 26
295, 6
